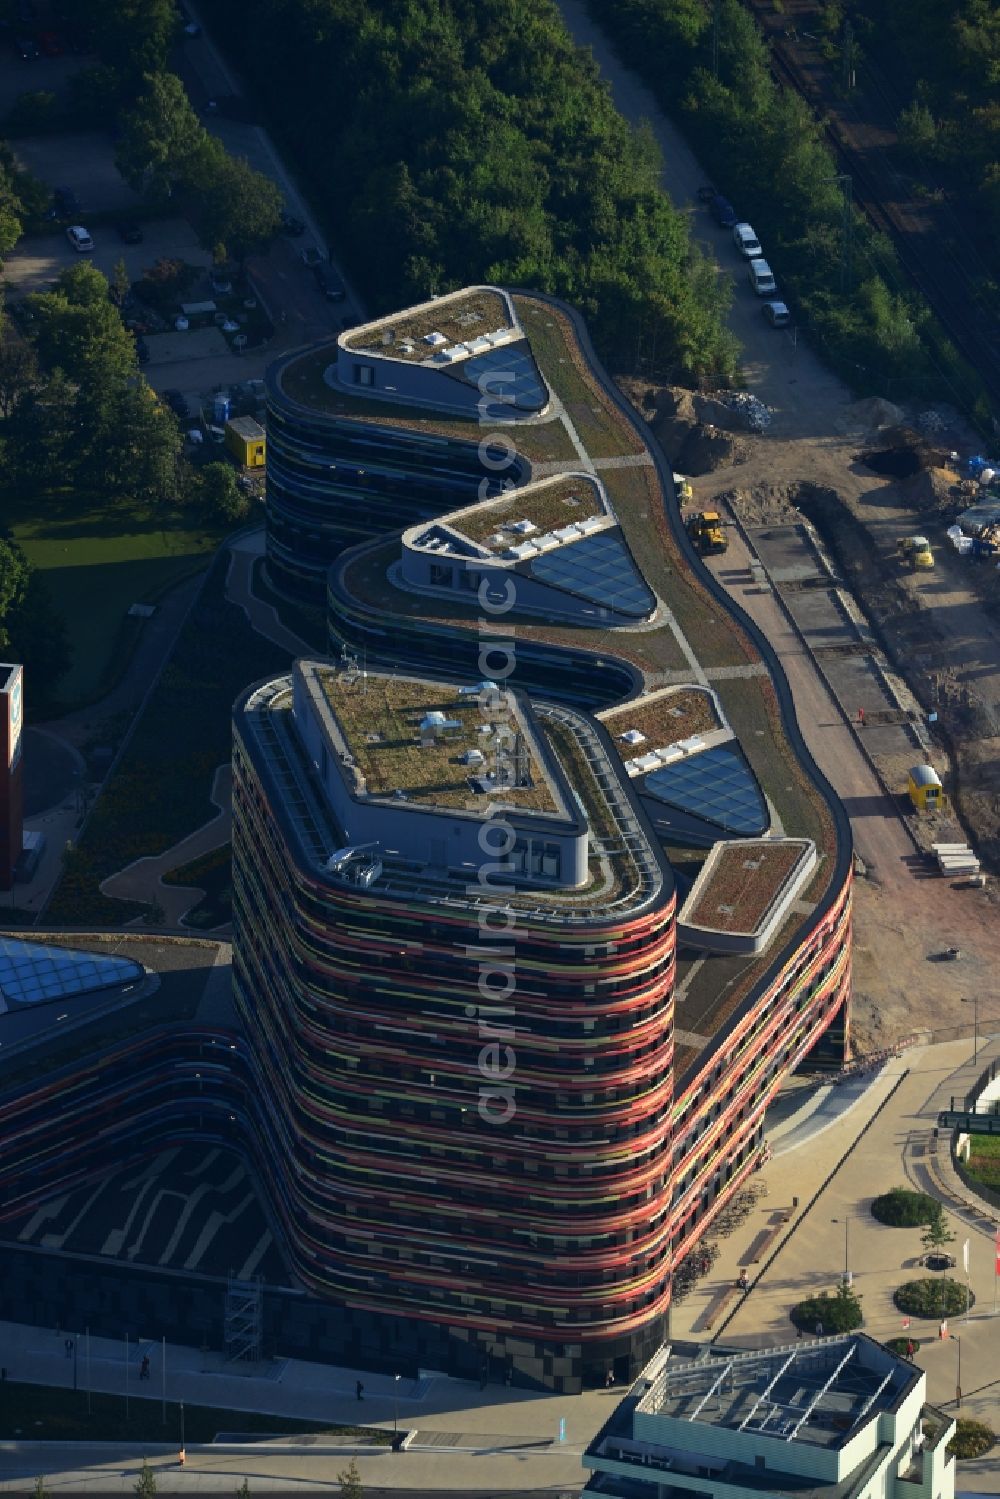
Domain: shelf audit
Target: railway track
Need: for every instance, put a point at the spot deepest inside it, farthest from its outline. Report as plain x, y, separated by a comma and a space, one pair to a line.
926, 234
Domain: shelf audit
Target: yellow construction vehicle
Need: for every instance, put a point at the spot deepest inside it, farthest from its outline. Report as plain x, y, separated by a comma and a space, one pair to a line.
706, 531
916, 550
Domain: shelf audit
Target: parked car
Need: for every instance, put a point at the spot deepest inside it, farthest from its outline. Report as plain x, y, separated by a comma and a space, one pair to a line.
49, 44
129, 232
178, 405
746, 241
328, 284
79, 238
292, 226
65, 204
221, 282
761, 278
777, 314
312, 256
26, 49
723, 211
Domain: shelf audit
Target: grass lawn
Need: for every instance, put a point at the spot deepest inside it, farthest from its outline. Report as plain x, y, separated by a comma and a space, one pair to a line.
40, 1413
213, 873
182, 737
98, 562
984, 1160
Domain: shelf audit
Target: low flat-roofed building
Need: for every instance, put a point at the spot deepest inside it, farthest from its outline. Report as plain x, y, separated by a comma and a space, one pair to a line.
841, 1417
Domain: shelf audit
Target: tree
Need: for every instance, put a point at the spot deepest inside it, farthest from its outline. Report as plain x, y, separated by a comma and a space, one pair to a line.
234, 204
79, 331
119, 282
350, 1482
41, 1492
145, 1484
937, 1236
162, 138
220, 493
18, 368
243, 1490
917, 132
31, 630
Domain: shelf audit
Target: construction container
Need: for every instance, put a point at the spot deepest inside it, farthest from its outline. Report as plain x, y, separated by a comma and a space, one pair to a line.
923, 785
247, 442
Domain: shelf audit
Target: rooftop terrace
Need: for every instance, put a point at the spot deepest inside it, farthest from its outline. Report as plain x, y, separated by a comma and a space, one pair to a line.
438, 743
550, 505
421, 333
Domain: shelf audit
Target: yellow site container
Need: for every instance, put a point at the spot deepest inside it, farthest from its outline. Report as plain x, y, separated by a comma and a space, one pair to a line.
247, 441
923, 785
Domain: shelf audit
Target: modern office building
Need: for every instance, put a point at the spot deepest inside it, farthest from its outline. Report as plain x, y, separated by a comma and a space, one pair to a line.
838, 1416
337, 472
575, 586
453, 954
11, 770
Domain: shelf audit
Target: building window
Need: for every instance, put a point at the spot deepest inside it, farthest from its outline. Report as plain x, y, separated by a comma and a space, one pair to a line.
364, 374
441, 576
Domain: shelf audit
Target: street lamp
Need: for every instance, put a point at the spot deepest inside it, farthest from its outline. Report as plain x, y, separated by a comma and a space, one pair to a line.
974, 1001
958, 1376
847, 1247
395, 1404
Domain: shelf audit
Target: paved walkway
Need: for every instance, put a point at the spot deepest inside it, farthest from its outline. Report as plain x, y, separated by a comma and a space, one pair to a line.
142, 880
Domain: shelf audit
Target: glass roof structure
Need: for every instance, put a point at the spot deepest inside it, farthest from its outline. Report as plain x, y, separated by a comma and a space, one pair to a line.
717, 786
32, 974
599, 568
509, 377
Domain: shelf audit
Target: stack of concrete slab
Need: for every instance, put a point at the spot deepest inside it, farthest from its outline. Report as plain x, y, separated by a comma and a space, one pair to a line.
955, 858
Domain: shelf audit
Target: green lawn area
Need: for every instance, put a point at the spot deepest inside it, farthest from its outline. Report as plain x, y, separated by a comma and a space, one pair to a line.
213, 873
984, 1160
97, 563
39, 1413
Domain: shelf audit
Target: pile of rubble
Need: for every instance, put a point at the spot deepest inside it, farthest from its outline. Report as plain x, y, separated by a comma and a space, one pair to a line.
755, 414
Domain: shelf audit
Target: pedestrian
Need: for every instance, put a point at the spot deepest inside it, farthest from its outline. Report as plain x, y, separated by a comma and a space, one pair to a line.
861, 718
68, 1345
359, 1390
508, 1376
609, 1379
144, 1368
819, 1329
181, 1458
743, 1283
484, 1373
910, 1350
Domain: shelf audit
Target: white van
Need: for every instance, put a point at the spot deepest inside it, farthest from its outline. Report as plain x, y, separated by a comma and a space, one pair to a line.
761, 278
746, 241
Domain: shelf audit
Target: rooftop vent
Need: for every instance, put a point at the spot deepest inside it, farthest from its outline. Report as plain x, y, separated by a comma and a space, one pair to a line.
389, 336
435, 720
472, 757
522, 527
435, 339
633, 736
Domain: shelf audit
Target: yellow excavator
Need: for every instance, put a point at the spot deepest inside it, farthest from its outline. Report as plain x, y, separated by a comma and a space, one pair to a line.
707, 532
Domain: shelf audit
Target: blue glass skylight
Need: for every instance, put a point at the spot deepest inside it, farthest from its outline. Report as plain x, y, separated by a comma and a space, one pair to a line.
598, 568
511, 380
31, 973
717, 785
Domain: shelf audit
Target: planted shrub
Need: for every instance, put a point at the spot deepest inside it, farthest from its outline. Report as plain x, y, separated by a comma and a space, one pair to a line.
942, 1297
838, 1313
902, 1208
971, 1439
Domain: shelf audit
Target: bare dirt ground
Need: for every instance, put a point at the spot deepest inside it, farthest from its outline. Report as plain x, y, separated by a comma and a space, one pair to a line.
906, 915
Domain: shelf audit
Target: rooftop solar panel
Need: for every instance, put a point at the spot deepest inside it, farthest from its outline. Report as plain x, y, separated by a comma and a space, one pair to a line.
31, 973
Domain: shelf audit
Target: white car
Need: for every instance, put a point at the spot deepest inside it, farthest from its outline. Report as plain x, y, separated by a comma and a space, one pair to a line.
79, 238
746, 241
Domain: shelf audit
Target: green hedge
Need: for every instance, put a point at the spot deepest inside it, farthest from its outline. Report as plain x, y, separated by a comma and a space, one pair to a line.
902, 1208
931, 1298
971, 1439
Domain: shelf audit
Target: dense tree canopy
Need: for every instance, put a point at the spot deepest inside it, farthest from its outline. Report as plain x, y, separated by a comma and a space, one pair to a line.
450, 141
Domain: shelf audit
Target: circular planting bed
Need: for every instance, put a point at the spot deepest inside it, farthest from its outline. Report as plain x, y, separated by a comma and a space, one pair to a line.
902, 1208
971, 1439
933, 1298
823, 1315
